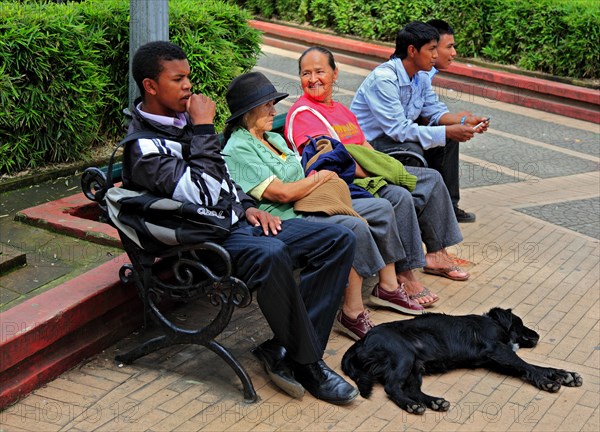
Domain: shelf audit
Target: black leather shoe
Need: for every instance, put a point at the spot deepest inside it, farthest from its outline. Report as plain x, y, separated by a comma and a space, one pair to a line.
463, 216
323, 383
277, 366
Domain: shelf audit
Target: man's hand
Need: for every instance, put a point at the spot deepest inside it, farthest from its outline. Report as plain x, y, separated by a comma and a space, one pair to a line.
480, 124
265, 219
460, 133
201, 109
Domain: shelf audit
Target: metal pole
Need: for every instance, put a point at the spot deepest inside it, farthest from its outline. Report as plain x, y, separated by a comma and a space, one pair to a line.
149, 21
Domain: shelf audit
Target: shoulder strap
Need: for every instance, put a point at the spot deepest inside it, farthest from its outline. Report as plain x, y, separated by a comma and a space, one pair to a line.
290, 135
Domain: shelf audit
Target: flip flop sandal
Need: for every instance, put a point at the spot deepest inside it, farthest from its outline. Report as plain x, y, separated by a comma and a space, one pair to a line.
424, 293
459, 261
445, 272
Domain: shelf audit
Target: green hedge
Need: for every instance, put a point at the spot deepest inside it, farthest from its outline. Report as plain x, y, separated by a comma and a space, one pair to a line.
63, 71
559, 37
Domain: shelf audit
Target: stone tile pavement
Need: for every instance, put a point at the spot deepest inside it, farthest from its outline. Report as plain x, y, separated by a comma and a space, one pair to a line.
532, 190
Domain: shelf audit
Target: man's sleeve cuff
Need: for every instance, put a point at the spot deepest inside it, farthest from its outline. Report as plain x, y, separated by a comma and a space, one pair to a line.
204, 129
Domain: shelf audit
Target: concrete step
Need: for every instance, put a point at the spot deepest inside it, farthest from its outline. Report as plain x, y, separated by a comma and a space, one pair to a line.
46, 335
53, 331
11, 259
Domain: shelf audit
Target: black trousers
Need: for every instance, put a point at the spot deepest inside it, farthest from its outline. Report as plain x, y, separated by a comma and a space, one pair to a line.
442, 159
300, 315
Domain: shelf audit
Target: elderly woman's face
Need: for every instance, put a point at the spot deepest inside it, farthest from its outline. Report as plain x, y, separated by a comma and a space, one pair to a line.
260, 119
317, 77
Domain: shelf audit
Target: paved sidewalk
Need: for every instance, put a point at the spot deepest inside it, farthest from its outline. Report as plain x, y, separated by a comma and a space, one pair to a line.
534, 183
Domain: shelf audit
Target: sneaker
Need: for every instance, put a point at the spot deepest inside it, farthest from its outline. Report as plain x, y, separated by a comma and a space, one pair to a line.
463, 216
355, 328
397, 300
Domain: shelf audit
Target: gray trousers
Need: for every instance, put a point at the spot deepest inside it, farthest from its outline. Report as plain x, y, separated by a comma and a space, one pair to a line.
424, 216
377, 243
444, 159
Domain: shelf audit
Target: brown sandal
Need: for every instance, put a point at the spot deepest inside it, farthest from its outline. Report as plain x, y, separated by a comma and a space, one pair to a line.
424, 293
445, 272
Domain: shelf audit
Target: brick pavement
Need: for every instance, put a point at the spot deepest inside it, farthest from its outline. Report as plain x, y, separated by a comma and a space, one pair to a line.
549, 275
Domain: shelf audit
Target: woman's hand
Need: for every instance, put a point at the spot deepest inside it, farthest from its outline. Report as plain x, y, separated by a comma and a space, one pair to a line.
289, 193
360, 172
269, 223
322, 175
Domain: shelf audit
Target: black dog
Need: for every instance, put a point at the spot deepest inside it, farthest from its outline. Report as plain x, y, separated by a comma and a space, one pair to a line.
396, 354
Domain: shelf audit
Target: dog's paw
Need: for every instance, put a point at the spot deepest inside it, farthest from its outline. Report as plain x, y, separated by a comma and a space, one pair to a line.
572, 379
365, 394
439, 404
549, 386
365, 387
414, 408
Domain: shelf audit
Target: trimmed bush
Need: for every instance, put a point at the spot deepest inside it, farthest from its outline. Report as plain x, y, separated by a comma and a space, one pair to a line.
57, 85
559, 37
64, 71
219, 43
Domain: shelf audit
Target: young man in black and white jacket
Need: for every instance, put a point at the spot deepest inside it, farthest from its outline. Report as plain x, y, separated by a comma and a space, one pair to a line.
186, 165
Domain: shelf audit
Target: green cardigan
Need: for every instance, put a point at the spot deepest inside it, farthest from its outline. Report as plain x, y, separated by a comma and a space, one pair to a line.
250, 163
382, 165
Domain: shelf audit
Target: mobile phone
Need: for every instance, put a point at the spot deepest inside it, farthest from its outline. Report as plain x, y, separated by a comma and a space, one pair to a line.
487, 120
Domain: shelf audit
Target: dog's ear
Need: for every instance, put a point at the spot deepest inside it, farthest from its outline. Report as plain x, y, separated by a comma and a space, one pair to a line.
504, 317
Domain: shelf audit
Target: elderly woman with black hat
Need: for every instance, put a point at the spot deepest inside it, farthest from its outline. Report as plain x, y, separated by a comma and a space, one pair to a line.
264, 167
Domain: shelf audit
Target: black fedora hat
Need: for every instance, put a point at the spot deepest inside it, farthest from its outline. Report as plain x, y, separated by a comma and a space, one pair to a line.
248, 91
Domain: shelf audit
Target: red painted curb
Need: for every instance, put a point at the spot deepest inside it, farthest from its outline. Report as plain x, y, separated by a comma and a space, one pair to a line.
291, 37
514, 96
537, 85
315, 38
51, 332
57, 216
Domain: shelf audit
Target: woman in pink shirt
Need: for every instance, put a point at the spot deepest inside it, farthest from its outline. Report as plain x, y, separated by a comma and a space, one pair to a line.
426, 215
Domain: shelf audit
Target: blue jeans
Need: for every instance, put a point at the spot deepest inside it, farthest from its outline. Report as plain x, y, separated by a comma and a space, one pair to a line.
300, 315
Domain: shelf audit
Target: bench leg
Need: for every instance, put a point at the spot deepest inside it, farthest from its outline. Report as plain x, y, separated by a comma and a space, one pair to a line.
249, 392
163, 341
147, 347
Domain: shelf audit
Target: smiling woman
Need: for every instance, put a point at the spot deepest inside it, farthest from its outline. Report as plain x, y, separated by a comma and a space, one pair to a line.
318, 75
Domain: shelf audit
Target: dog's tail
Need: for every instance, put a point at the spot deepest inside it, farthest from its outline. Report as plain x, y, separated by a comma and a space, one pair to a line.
354, 367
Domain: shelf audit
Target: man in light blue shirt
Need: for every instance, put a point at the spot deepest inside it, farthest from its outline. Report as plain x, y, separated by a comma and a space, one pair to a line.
398, 92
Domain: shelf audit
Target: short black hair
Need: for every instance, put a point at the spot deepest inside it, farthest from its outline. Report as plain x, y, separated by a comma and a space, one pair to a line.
147, 61
441, 26
415, 33
320, 49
